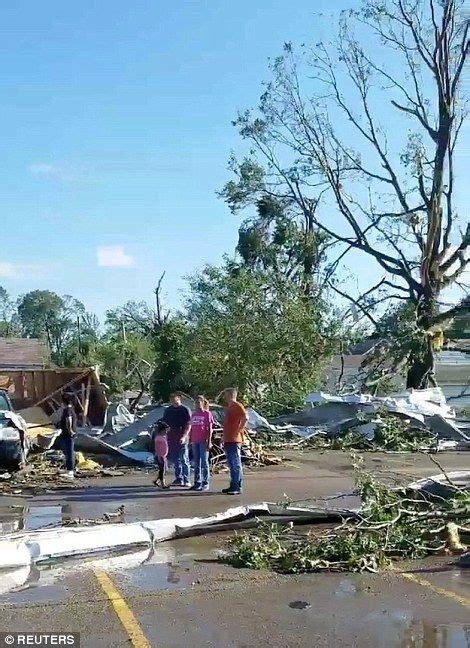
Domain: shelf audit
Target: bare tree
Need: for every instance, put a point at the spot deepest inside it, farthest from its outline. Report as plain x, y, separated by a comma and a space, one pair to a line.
376, 143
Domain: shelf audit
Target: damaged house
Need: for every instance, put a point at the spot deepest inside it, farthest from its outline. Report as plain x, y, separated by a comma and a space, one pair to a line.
34, 388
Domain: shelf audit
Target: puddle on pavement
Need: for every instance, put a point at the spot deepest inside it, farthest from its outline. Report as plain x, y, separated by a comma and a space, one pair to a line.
31, 518
400, 629
165, 566
421, 635
345, 588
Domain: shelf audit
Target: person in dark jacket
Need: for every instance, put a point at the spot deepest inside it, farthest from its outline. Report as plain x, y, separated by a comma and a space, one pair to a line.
178, 418
68, 429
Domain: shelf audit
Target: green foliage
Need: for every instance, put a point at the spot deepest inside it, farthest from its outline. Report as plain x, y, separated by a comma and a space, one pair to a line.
393, 524
274, 240
459, 327
171, 346
239, 193
133, 317
81, 343
118, 358
9, 324
44, 314
404, 344
256, 330
390, 433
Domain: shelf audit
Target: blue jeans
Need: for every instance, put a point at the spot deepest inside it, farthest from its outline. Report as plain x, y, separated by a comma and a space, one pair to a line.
201, 463
234, 461
180, 460
66, 444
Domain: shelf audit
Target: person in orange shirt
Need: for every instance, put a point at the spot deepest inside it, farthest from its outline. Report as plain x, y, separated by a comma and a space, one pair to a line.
234, 428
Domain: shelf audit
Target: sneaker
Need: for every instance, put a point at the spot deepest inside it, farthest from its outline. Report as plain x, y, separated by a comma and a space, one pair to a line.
177, 482
205, 487
233, 492
70, 474
186, 484
225, 491
195, 487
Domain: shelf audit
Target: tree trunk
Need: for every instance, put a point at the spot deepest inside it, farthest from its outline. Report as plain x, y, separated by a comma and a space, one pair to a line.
422, 360
421, 372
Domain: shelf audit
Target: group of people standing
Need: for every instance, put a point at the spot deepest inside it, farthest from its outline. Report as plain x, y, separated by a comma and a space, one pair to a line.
174, 432
179, 427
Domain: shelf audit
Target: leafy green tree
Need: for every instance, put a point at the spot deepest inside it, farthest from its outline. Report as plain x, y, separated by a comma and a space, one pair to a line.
369, 123
84, 337
9, 325
256, 329
125, 363
171, 345
132, 317
275, 240
152, 336
44, 314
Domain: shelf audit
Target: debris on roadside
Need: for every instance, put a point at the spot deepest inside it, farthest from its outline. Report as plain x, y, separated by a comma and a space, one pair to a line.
83, 464
30, 547
391, 525
408, 422
253, 453
416, 420
107, 518
46, 470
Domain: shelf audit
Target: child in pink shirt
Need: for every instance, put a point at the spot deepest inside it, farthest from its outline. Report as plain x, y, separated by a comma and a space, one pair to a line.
200, 436
160, 441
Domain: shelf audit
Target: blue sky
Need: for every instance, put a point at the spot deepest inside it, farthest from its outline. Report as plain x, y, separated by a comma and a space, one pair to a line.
115, 128
115, 122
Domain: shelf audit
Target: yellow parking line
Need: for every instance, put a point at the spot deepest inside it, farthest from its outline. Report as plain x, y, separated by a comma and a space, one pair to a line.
123, 611
439, 590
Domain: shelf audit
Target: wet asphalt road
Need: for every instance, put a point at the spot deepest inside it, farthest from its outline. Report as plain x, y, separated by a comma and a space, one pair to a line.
179, 596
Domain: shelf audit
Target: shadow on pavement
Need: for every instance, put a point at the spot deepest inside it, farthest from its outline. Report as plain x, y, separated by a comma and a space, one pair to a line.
122, 492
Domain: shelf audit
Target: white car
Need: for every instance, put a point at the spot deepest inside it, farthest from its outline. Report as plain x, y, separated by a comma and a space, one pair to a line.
13, 438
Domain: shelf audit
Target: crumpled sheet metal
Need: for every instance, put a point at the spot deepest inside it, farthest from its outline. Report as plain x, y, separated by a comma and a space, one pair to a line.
425, 407
96, 445
132, 431
16, 420
439, 484
26, 548
413, 403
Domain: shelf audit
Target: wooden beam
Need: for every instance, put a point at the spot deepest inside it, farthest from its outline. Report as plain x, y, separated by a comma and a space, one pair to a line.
35, 387
63, 388
82, 402
87, 401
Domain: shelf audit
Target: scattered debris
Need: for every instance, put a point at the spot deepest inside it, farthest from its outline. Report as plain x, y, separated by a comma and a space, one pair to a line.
413, 421
418, 420
83, 464
116, 516
24, 548
46, 470
392, 524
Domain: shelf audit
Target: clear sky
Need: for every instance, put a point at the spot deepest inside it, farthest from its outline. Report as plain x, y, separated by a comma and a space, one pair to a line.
115, 123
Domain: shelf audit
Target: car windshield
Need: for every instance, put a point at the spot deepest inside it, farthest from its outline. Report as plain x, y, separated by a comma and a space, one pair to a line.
3, 403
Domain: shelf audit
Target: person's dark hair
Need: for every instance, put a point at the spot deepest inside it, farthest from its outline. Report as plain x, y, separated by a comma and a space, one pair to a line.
161, 427
176, 394
67, 398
